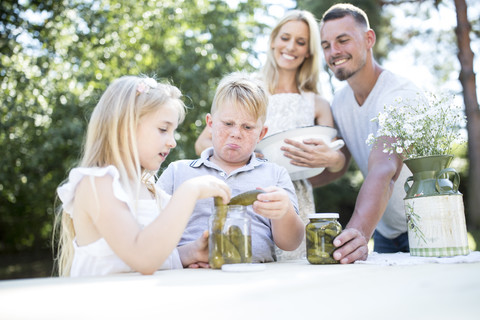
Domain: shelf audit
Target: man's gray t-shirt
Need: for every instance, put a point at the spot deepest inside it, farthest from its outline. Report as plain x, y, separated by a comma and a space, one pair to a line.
257, 173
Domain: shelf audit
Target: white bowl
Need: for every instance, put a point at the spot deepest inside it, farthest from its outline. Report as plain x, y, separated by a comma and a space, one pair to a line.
270, 147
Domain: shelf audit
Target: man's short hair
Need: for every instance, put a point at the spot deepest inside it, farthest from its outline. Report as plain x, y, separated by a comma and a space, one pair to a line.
341, 10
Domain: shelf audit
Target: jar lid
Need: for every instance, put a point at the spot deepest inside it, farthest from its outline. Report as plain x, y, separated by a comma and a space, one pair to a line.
323, 216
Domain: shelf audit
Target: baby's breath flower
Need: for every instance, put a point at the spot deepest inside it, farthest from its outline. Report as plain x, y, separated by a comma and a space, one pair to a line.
420, 128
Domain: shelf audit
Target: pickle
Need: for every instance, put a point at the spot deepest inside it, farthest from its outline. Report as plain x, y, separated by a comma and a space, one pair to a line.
246, 198
215, 258
218, 201
221, 216
332, 232
236, 238
312, 237
241, 242
230, 252
243, 199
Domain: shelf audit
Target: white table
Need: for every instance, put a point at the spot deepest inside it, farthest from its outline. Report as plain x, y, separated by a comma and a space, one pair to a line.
284, 290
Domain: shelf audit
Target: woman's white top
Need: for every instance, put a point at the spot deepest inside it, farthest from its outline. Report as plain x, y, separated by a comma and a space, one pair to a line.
98, 258
290, 110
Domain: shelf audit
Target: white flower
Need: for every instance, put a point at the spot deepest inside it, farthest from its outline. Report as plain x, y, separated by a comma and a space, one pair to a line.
370, 139
408, 128
420, 128
381, 118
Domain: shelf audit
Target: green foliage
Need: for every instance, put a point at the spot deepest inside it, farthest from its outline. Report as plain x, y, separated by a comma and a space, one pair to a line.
51, 83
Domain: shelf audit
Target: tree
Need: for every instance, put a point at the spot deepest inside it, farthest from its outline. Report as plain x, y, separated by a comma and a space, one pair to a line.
467, 78
57, 57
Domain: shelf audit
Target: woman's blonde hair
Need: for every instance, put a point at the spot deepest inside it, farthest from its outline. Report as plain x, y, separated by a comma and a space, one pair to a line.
112, 140
308, 73
244, 91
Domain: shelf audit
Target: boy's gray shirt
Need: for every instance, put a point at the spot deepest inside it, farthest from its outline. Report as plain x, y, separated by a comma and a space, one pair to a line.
257, 173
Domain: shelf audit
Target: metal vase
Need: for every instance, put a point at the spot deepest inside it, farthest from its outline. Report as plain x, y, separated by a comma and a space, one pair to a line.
434, 208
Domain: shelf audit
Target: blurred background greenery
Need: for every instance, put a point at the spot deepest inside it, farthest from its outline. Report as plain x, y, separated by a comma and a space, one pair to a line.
57, 57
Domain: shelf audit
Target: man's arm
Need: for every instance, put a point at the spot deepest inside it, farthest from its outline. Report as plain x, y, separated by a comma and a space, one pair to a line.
372, 200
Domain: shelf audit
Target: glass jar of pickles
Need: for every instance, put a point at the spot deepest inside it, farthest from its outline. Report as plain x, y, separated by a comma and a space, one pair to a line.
229, 238
320, 233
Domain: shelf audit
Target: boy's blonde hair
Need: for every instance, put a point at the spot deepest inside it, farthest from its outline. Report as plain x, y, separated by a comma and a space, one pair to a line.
112, 140
308, 73
242, 90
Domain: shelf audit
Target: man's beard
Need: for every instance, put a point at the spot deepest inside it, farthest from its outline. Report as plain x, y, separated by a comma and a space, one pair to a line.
343, 74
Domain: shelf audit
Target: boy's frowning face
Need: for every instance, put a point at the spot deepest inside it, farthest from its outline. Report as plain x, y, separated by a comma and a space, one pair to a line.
235, 134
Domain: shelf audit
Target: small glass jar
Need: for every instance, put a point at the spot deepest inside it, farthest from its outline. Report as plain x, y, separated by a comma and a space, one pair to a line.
320, 233
230, 239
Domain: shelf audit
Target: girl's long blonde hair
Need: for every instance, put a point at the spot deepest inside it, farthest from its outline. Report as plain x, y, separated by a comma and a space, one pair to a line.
308, 73
111, 140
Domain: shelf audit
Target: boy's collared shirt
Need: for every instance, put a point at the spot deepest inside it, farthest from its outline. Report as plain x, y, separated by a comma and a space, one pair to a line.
256, 173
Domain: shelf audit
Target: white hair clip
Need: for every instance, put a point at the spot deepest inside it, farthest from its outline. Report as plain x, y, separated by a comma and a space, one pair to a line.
145, 85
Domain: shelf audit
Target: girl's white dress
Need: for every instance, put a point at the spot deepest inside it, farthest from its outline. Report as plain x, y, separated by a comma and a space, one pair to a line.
98, 258
288, 111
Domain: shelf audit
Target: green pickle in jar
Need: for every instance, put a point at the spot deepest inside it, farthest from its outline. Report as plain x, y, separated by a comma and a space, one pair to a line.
230, 238
320, 233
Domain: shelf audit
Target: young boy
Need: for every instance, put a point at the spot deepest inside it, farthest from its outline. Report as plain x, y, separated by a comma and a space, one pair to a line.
237, 124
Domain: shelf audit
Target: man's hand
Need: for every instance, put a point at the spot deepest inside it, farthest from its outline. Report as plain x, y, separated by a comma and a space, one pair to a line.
351, 246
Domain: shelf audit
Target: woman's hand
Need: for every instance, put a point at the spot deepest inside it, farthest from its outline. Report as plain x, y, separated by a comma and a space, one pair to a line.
314, 153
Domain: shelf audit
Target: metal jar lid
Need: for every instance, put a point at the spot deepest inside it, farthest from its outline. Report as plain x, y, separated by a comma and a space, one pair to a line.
323, 216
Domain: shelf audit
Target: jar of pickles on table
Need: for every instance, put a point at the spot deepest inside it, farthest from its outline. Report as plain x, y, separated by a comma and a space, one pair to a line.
320, 233
230, 238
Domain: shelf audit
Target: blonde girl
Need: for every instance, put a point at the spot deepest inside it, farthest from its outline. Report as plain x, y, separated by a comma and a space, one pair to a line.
113, 218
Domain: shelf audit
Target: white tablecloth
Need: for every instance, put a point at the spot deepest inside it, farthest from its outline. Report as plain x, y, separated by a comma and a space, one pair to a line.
401, 259
283, 290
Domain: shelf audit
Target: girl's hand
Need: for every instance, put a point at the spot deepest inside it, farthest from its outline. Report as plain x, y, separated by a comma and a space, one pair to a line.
208, 186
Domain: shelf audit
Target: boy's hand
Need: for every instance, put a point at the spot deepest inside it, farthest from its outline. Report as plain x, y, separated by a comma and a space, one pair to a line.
195, 254
272, 204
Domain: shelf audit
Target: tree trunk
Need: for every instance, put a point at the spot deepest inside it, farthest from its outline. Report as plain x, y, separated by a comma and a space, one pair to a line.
467, 79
